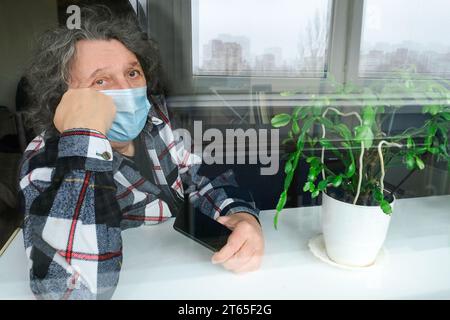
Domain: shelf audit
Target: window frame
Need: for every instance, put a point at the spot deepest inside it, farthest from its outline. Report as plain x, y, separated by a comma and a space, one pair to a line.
188, 83
177, 49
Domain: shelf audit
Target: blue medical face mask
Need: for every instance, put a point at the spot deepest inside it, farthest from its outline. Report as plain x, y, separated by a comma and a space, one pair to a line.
132, 108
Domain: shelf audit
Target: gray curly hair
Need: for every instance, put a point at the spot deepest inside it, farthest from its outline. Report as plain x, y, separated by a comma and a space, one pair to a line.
49, 72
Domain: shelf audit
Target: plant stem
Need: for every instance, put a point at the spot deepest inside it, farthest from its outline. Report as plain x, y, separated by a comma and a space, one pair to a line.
360, 173
324, 131
380, 153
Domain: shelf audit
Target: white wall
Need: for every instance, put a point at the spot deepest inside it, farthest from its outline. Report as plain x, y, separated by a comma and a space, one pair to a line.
20, 22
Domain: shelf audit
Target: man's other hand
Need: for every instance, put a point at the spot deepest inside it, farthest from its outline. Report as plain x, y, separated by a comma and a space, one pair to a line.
245, 246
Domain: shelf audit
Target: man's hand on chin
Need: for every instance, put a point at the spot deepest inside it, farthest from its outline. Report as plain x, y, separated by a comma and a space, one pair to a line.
245, 246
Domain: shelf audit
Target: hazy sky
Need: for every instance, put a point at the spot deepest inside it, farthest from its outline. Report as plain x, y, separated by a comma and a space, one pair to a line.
394, 21
278, 23
268, 23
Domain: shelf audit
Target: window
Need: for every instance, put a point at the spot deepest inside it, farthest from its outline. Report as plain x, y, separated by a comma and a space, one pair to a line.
283, 38
141, 9
401, 34
296, 45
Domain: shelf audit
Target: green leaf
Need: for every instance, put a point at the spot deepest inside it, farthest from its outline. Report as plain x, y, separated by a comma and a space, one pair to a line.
313, 142
315, 194
432, 129
288, 180
433, 150
288, 167
410, 162
421, 150
344, 131
443, 149
364, 134
296, 112
312, 176
351, 170
291, 135
378, 196
434, 109
291, 157
420, 163
380, 109
303, 113
428, 141
295, 128
386, 207
326, 143
308, 186
282, 201
322, 185
337, 181
410, 143
314, 163
281, 120
446, 115
307, 125
280, 206
317, 111
326, 122
368, 116
297, 155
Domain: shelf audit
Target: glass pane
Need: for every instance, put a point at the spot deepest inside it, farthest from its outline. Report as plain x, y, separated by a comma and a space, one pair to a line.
286, 38
405, 34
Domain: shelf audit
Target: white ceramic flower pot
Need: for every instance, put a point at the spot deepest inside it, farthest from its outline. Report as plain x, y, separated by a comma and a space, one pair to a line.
353, 234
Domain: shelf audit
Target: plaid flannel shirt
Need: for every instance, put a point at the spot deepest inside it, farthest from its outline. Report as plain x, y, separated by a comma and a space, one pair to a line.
77, 195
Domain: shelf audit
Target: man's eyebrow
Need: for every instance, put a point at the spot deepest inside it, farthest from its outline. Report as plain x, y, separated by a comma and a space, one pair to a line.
96, 72
134, 64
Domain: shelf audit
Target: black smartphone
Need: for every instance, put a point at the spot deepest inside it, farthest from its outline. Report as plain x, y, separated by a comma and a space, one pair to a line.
201, 228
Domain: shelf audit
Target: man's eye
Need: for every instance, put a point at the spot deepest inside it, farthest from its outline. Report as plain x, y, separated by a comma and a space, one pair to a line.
100, 82
134, 74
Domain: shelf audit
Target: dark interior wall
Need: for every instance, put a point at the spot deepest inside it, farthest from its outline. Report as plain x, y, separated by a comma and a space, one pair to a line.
20, 22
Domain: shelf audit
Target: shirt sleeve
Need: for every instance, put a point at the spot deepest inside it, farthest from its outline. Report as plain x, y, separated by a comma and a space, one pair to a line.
71, 217
216, 197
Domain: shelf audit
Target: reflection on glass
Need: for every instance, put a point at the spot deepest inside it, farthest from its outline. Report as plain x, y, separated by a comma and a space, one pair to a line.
404, 33
261, 38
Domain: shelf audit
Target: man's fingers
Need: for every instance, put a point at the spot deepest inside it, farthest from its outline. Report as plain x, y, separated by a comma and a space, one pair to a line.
233, 245
245, 246
242, 257
253, 264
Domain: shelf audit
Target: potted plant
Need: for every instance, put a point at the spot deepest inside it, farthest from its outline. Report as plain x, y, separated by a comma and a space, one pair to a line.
356, 207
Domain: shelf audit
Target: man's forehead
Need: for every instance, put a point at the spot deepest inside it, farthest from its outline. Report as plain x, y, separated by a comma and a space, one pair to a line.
93, 56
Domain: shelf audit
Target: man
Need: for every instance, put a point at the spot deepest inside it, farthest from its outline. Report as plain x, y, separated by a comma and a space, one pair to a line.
107, 160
